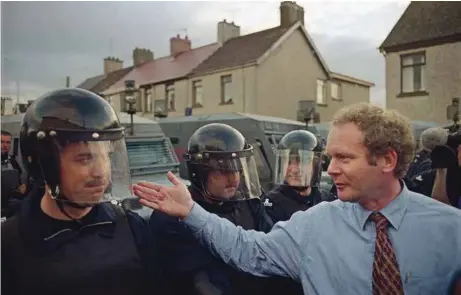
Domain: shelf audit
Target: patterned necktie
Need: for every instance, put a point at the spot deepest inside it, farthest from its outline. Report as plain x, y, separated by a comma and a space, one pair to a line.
386, 274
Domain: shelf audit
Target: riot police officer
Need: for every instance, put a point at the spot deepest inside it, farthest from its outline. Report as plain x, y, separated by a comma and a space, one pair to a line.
224, 181
67, 238
297, 176
298, 169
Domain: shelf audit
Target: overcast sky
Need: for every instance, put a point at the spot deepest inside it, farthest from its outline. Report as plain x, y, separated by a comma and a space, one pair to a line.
43, 42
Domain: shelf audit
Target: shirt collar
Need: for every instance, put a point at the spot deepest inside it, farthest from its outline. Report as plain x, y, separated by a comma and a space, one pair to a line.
394, 211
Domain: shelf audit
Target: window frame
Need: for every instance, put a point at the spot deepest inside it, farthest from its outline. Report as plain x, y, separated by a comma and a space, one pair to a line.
226, 80
196, 84
413, 65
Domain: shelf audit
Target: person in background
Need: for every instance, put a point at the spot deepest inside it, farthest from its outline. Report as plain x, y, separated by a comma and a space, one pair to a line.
421, 175
297, 172
224, 181
446, 159
379, 237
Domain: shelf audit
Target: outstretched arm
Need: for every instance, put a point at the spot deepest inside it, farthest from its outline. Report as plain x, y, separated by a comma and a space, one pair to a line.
276, 253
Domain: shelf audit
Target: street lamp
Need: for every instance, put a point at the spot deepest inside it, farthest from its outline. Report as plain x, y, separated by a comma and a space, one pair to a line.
130, 98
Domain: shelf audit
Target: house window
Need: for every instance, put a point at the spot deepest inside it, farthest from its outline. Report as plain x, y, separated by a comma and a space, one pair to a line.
170, 96
149, 100
321, 92
197, 93
412, 72
335, 91
226, 89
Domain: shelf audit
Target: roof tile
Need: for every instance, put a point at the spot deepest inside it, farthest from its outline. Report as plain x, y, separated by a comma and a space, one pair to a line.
425, 21
241, 50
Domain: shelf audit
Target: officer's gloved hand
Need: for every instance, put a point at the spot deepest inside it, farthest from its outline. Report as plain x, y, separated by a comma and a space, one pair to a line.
443, 156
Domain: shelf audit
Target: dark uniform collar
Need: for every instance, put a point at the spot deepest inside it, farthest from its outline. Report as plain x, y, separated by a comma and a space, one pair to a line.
47, 233
293, 194
215, 207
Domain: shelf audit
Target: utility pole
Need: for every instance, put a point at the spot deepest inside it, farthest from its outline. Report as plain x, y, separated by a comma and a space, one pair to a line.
17, 92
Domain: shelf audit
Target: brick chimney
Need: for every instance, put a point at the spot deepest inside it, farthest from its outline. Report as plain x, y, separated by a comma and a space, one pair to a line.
179, 45
290, 12
112, 64
141, 56
227, 31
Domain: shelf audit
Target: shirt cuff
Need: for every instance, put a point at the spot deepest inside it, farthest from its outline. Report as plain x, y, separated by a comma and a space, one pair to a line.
197, 218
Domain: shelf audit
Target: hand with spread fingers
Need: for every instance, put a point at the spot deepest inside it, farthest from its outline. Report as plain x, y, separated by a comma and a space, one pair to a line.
173, 200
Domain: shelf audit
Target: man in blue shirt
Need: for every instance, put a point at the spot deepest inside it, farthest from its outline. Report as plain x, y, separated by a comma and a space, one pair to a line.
378, 238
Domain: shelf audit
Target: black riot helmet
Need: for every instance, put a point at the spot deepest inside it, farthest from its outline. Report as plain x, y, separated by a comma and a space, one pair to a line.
298, 160
72, 141
221, 164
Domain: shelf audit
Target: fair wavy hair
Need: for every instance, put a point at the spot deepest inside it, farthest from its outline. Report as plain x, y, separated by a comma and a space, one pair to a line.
383, 130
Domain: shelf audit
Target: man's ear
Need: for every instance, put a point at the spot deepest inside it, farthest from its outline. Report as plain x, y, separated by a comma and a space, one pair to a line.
388, 162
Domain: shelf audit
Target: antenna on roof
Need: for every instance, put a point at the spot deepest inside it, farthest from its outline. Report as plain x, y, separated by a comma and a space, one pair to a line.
185, 31
111, 46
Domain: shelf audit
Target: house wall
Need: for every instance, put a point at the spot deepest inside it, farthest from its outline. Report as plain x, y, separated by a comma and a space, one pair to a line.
442, 79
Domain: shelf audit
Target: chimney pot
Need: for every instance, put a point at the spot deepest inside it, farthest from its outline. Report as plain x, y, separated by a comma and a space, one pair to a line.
179, 45
227, 31
112, 64
290, 13
141, 56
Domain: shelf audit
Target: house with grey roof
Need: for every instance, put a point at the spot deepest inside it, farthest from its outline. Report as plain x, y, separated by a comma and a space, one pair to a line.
423, 61
274, 72
114, 71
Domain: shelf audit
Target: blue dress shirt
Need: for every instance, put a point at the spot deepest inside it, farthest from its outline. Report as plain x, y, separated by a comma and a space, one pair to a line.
330, 247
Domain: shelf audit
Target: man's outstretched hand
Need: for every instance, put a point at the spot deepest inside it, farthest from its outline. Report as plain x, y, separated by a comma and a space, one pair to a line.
173, 200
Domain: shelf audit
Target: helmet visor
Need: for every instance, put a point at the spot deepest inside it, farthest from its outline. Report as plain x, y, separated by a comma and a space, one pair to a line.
295, 168
230, 177
94, 171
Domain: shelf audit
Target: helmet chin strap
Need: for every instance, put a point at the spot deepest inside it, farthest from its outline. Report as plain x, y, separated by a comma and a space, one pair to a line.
61, 199
300, 188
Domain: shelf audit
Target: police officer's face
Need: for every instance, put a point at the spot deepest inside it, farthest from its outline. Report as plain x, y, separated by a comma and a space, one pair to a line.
223, 184
294, 176
6, 144
85, 170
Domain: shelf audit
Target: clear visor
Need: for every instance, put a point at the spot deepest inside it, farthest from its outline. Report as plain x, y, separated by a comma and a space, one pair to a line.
94, 171
231, 179
295, 168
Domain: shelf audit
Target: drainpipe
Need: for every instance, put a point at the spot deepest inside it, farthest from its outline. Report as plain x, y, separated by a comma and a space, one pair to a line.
244, 90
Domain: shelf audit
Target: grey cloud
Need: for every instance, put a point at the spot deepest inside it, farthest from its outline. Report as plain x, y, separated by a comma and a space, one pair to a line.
46, 41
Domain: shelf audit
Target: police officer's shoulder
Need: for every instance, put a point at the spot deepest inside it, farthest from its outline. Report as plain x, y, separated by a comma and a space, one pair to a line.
9, 224
162, 224
272, 198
